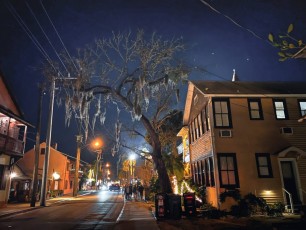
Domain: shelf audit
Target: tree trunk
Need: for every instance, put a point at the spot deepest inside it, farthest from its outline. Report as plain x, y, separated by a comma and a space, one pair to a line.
163, 177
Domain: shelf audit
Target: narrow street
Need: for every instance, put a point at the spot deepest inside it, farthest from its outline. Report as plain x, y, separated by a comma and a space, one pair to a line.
92, 211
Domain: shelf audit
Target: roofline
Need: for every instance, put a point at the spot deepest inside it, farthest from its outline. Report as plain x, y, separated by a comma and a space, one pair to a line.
12, 115
252, 95
188, 102
10, 93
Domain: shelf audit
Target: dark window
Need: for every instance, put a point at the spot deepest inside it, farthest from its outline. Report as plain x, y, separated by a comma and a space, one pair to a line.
302, 104
280, 109
212, 175
207, 173
255, 110
203, 172
228, 171
222, 116
263, 162
42, 151
2, 177
71, 184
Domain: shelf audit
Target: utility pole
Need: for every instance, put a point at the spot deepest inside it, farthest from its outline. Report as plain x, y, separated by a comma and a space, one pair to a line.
77, 165
37, 147
48, 141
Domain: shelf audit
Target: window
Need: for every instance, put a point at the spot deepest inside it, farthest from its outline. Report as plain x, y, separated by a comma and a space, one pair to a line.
302, 104
212, 175
222, 113
228, 170
2, 177
255, 110
203, 172
200, 124
263, 163
42, 151
280, 109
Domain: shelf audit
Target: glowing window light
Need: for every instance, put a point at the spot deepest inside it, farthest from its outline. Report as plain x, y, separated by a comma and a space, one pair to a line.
13, 174
56, 176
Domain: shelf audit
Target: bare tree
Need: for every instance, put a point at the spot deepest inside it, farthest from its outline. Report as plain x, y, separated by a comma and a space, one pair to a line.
138, 74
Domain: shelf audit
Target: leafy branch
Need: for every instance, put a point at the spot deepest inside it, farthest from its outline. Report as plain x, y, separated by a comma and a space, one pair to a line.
288, 45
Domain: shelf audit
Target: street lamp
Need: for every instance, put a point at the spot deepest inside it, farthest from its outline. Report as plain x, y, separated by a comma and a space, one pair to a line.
97, 147
132, 159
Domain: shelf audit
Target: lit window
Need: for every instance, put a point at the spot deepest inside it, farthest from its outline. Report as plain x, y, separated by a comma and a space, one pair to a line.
228, 170
222, 113
264, 168
302, 104
255, 109
280, 109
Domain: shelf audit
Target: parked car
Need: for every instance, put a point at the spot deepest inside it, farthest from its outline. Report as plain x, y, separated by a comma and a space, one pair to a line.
114, 187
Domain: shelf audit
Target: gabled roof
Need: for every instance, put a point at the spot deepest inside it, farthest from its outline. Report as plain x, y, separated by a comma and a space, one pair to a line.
255, 88
242, 89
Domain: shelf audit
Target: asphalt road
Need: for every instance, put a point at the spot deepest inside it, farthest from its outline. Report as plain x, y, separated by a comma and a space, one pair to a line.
94, 211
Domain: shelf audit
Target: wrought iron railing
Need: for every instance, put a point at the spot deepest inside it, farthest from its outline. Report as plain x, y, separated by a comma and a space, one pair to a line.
10, 146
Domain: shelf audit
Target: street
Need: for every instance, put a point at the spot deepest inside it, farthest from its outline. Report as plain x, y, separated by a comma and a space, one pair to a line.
94, 211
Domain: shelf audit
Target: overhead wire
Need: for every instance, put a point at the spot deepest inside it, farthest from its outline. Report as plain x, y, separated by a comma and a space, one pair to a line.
233, 21
23, 25
58, 35
47, 37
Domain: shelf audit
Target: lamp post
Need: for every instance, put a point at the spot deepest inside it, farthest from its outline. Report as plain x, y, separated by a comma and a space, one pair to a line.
77, 166
99, 152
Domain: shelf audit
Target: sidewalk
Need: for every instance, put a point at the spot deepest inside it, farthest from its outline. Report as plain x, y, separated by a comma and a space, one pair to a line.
15, 208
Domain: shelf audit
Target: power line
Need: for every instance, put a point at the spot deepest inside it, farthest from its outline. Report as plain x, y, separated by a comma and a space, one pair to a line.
46, 36
58, 35
23, 25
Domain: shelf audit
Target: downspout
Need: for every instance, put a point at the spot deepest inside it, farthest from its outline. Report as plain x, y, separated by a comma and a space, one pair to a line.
214, 154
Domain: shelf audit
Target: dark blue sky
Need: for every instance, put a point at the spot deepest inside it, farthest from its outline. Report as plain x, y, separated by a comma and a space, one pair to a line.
213, 41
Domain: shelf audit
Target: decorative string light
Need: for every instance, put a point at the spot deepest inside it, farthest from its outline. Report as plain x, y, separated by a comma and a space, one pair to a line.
184, 183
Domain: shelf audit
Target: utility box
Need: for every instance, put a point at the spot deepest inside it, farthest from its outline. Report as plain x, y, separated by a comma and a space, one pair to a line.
174, 206
189, 204
160, 205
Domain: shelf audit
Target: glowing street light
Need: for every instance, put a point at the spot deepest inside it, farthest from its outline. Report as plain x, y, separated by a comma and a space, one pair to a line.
132, 159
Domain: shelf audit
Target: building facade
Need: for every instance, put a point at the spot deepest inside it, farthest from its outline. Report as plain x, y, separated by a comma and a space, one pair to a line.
246, 136
61, 171
13, 130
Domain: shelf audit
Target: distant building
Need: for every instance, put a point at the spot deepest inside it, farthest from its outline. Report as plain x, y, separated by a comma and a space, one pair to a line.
60, 177
246, 136
13, 130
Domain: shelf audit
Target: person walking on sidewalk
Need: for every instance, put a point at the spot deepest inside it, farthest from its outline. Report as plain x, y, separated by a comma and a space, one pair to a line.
135, 192
140, 190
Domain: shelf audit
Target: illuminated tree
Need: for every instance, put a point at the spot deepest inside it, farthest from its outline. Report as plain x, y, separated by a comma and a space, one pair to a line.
139, 75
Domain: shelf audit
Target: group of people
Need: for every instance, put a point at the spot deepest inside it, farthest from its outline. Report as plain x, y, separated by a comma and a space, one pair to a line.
133, 191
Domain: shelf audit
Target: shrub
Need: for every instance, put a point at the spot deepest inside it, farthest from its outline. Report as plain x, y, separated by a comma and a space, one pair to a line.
235, 194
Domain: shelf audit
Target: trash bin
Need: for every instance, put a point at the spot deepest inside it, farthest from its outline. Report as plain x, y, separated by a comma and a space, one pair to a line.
189, 204
174, 206
160, 205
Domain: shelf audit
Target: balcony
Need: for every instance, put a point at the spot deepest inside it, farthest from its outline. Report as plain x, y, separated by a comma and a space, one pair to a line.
10, 145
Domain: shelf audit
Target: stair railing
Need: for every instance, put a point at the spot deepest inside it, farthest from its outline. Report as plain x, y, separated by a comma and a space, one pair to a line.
290, 200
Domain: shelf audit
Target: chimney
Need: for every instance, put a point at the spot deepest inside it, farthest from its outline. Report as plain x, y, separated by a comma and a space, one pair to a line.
55, 146
235, 77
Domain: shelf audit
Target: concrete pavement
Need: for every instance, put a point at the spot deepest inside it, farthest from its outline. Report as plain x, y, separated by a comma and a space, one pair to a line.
135, 214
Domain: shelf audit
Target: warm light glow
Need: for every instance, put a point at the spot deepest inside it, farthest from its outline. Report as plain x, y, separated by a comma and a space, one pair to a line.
107, 165
97, 143
13, 174
132, 157
56, 176
189, 190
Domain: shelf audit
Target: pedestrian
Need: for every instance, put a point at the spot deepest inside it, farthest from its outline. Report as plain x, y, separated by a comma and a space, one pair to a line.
140, 190
135, 192
126, 191
130, 191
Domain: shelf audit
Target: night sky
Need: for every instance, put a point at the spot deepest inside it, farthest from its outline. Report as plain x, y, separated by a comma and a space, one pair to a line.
214, 42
